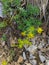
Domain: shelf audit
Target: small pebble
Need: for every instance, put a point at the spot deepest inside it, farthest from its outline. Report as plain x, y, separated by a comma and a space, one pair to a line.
47, 62
20, 59
33, 62
32, 57
27, 63
24, 55
32, 49
42, 58
17, 63
3, 43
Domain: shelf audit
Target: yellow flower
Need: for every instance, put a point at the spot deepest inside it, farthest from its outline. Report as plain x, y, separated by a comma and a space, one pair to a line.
39, 30
23, 33
4, 62
30, 35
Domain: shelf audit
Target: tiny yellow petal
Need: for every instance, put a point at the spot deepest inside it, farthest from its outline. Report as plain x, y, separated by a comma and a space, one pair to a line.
39, 30
30, 35
23, 33
4, 62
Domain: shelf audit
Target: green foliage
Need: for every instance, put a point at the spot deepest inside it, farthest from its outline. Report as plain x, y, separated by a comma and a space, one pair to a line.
24, 24
3, 24
4, 37
31, 30
8, 5
26, 19
12, 54
23, 12
15, 2
33, 10
23, 17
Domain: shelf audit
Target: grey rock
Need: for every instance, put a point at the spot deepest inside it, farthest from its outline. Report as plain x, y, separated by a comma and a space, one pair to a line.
41, 45
48, 41
32, 49
33, 40
32, 57
24, 56
47, 62
33, 62
42, 58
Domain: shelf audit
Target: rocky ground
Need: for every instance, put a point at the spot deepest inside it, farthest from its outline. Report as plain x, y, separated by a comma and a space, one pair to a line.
36, 54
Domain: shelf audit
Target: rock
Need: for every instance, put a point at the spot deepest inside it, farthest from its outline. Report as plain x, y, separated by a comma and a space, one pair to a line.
20, 59
41, 64
3, 43
48, 41
33, 40
32, 49
33, 62
1, 56
8, 58
31, 56
42, 58
13, 63
17, 63
27, 64
47, 62
12, 42
24, 56
41, 45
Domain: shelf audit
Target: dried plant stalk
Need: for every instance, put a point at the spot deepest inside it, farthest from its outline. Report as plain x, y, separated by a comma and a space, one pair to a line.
42, 4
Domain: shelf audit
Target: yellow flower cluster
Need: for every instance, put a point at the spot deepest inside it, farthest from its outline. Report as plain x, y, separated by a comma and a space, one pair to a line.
4, 62
39, 30
23, 42
23, 33
30, 35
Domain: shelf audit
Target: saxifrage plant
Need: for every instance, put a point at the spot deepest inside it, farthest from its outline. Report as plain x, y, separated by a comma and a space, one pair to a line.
26, 19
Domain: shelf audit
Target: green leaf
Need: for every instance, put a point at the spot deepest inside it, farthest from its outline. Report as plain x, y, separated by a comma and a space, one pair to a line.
33, 10
3, 24
4, 38
23, 12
